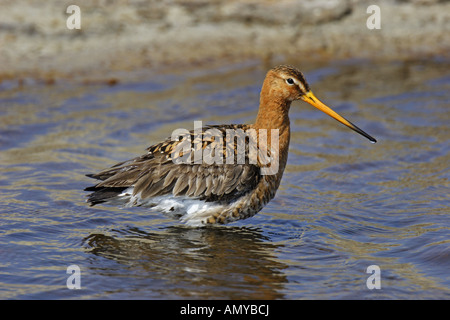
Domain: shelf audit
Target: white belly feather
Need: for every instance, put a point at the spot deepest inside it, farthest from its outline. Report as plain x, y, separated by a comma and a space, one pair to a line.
193, 212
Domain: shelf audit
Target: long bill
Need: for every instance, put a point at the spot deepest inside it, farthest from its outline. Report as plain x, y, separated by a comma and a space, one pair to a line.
312, 100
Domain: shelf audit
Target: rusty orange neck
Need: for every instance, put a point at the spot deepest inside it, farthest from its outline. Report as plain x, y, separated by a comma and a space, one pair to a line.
273, 108
274, 114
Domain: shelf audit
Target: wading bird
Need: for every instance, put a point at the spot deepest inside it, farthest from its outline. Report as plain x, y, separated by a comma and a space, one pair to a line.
201, 193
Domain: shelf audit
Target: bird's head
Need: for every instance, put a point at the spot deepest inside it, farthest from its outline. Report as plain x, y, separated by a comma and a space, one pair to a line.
288, 83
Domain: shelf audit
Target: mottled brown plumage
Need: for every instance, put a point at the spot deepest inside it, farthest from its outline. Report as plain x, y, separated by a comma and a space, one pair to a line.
171, 179
156, 174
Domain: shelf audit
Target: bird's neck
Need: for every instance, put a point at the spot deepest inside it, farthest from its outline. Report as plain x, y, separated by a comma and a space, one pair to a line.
273, 113
273, 109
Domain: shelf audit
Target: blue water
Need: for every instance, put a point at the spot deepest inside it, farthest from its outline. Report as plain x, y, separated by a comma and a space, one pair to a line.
344, 204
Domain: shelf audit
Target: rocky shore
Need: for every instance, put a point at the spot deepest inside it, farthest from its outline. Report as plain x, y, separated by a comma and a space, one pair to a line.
118, 36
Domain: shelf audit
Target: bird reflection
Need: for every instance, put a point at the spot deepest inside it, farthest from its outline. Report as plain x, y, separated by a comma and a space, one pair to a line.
181, 262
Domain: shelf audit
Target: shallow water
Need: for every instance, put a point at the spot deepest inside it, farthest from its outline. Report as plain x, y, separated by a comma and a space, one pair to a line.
344, 204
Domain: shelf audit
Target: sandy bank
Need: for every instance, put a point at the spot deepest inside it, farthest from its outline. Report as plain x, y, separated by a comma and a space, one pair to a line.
125, 35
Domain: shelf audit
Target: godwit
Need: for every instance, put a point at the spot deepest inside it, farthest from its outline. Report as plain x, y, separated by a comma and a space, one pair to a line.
199, 191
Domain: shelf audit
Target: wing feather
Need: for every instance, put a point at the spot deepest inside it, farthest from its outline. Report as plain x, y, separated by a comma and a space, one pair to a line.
155, 174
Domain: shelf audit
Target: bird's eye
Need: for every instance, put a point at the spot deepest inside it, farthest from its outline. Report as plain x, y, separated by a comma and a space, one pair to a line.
289, 81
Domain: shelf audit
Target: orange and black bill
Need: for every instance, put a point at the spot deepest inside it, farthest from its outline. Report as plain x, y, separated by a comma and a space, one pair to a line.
312, 100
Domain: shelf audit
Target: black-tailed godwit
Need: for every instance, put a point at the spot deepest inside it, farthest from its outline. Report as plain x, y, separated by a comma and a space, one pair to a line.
241, 180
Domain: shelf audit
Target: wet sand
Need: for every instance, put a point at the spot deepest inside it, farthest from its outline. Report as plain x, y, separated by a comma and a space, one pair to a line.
120, 36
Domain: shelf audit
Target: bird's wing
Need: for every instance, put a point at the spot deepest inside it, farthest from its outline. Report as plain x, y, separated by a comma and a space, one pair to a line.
170, 167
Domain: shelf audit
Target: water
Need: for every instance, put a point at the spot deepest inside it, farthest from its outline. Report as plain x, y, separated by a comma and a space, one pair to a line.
344, 204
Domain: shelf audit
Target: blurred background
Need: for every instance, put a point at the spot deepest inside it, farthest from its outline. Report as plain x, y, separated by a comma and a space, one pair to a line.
128, 35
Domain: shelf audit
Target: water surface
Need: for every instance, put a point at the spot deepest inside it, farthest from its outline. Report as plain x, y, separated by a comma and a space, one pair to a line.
344, 204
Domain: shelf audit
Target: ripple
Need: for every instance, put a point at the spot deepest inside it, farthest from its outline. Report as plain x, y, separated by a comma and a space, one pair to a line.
343, 204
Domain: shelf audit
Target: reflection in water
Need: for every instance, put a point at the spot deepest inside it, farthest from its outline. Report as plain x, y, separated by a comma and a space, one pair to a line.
213, 263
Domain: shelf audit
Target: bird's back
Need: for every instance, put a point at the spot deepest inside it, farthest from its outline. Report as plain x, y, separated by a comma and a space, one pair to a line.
171, 179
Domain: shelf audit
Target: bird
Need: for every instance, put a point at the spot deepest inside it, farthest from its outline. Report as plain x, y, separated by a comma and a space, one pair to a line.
178, 177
